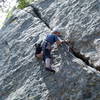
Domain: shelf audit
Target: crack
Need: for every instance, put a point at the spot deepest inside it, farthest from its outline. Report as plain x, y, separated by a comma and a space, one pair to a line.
83, 58
38, 14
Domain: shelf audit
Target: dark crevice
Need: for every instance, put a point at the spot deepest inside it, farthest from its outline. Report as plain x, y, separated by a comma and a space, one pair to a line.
84, 59
98, 68
38, 14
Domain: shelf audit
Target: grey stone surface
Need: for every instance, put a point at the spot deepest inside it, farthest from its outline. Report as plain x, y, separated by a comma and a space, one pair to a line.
81, 21
23, 77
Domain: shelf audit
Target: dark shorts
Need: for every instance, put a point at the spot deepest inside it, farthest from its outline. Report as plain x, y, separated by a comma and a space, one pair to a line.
46, 51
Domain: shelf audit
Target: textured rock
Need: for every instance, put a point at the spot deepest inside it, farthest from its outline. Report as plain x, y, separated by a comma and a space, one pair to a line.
23, 77
81, 21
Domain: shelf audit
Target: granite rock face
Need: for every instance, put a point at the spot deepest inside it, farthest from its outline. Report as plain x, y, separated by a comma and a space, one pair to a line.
23, 77
81, 21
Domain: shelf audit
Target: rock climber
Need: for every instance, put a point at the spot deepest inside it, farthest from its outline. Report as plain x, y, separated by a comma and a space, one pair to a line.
50, 39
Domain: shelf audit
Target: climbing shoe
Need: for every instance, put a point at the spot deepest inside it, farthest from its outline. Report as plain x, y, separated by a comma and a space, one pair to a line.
51, 70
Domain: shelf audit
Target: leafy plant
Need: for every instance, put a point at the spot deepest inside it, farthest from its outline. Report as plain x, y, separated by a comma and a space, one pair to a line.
23, 3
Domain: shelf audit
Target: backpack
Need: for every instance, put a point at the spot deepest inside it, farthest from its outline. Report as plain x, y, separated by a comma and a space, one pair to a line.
38, 47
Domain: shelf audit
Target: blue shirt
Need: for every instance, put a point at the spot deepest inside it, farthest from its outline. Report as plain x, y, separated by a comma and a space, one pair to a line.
52, 38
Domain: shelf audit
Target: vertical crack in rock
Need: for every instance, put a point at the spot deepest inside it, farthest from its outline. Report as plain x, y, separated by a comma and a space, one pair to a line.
38, 14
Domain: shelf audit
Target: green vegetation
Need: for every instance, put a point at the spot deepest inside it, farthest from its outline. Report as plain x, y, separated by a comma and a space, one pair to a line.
9, 13
23, 3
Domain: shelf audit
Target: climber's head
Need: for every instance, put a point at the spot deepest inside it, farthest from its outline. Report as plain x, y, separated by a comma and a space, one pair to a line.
56, 31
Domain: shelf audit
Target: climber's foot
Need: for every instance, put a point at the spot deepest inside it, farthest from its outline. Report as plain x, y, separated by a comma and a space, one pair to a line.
51, 70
